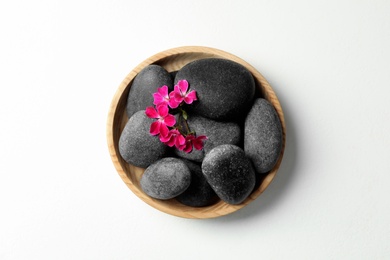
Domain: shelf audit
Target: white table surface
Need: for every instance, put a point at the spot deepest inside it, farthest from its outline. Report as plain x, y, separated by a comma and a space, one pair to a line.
61, 63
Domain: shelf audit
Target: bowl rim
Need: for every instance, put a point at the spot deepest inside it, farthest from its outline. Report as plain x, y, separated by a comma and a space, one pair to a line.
185, 211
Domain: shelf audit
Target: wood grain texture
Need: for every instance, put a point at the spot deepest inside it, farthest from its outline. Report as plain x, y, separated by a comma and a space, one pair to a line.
172, 60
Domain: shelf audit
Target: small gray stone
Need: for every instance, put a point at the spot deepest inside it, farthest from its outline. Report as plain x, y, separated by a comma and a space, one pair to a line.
217, 133
199, 193
144, 85
166, 178
136, 145
263, 136
229, 172
225, 89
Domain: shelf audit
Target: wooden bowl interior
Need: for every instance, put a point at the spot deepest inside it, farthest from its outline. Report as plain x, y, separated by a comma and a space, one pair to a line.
173, 60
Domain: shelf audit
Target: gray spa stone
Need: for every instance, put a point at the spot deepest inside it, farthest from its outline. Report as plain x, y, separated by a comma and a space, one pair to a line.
199, 193
263, 136
136, 145
166, 178
225, 89
229, 172
217, 133
144, 85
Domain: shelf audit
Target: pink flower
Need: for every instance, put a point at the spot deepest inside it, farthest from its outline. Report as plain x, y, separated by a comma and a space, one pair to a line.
180, 93
198, 142
161, 97
192, 141
164, 119
165, 125
173, 138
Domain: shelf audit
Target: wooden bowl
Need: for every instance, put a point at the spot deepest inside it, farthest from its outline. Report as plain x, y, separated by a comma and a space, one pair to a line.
172, 60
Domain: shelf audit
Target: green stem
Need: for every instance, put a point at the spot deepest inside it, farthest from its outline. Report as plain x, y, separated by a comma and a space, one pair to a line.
183, 121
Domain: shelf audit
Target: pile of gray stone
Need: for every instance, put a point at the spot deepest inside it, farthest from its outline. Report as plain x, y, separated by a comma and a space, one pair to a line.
243, 129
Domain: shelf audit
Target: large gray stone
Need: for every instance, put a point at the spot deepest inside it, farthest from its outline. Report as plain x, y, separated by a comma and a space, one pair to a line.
225, 89
136, 145
144, 85
166, 178
263, 136
199, 193
229, 172
217, 133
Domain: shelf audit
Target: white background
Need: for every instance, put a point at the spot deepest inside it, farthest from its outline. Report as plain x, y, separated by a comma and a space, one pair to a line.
61, 63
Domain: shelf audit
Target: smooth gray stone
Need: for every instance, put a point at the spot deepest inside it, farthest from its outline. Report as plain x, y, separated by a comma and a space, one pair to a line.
199, 193
225, 89
144, 85
217, 133
166, 178
229, 172
136, 145
263, 136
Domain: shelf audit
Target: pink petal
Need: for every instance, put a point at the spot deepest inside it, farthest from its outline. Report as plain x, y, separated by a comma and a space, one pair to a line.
163, 129
175, 132
183, 85
151, 112
155, 128
188, 100
178, 97
188, 147
170, 120
162, 110
166, 138
190, 137
190, 97
176, 94
171, 141
176, 90
163, 91
198, 145
188, 143
180, 146
158, 99
173, 103
198, 142
180, 140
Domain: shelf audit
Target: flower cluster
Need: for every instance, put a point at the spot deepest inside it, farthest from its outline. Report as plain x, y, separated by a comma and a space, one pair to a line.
174, 132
